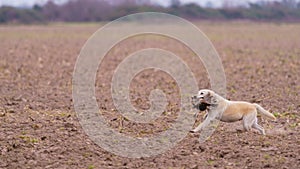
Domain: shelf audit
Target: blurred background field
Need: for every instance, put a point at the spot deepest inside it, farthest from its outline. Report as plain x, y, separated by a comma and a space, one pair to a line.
44, 11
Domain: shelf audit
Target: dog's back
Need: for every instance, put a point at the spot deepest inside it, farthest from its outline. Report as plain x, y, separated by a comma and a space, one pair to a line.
235, 111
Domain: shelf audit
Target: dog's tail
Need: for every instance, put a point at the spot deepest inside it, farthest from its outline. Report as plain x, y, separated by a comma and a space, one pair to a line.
264, 112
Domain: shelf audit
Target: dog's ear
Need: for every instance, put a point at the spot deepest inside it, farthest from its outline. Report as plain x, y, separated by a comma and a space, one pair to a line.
208, 97
212, 97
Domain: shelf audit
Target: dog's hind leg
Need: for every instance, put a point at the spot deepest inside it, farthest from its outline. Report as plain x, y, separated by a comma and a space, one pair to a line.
249, 120
258, 127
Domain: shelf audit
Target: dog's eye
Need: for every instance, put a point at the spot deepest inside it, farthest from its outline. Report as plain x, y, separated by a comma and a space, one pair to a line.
201, 93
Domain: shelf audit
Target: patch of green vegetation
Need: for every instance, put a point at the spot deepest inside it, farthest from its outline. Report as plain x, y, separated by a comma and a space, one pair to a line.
267, 143
64, 114
290, 108
279, 159
232, 90
289, 115
62, 128
167, 113
29, 139
86, 155
286, 115
277, 114
143, 132
267, 156
91, 167
35, 126
293, 125
23, 132
210, 162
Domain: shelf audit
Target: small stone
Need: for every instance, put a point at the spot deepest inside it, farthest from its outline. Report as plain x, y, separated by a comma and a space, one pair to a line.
11, 111
18, 98
194, 166
267, 166
43, 138
269, 149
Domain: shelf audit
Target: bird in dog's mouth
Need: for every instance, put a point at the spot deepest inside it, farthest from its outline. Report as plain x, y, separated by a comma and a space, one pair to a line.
200, 103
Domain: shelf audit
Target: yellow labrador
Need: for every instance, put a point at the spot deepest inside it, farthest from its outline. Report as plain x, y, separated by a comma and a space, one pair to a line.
231, 111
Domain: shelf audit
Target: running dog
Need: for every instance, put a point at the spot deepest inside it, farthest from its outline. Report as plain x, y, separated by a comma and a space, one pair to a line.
230, 111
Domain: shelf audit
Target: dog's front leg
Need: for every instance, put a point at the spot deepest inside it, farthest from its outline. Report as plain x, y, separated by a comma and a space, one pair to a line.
196, 114
202, 125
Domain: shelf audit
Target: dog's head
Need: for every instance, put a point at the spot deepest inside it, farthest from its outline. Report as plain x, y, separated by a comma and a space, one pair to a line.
206, 96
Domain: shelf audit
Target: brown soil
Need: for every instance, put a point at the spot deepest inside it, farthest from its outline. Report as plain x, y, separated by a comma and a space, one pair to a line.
39, 128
